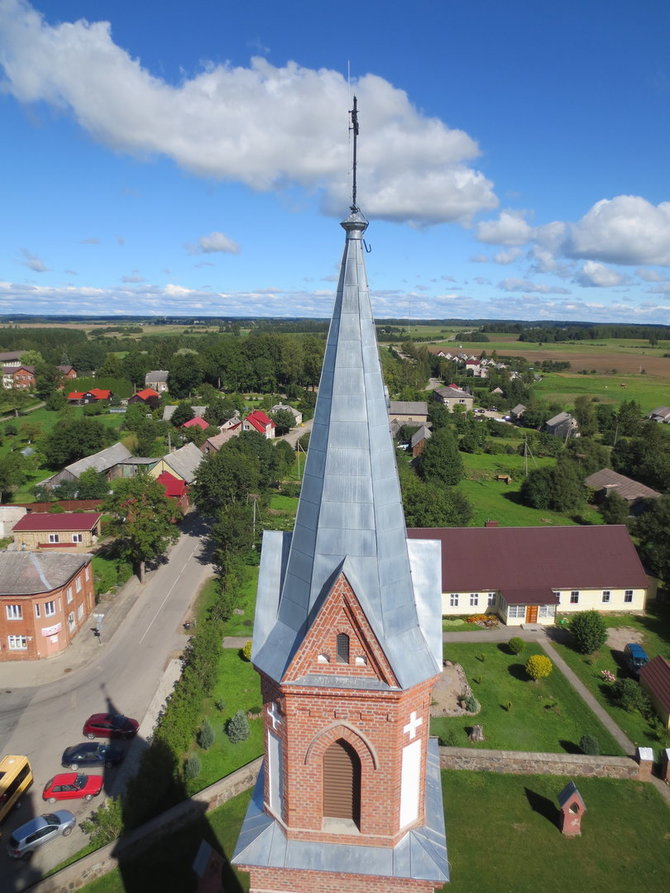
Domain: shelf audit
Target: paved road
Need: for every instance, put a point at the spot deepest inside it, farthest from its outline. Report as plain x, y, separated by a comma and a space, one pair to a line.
44, 703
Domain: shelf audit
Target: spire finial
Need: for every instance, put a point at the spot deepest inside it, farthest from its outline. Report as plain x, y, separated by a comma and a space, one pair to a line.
354, 127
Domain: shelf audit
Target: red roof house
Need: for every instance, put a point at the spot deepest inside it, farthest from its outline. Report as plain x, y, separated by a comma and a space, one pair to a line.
100, 393
197, 422
53, 530
258, 421
148, 396
175, 489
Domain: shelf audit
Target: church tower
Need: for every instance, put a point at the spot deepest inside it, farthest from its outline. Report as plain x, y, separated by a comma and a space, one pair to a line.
348, 643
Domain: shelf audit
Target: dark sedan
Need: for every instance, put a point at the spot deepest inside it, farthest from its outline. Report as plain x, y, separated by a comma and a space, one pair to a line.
90, 753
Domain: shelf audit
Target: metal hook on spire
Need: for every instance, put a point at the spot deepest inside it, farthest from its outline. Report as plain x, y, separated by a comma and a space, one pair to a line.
354, 127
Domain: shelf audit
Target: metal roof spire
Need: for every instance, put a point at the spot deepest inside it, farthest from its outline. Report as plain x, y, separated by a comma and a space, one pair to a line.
354, 128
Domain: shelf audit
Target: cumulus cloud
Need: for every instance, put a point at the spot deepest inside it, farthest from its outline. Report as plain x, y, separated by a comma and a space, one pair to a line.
33, 262
268, 127
651, 275
511, 228
625, 230
525, 285
213, 243
507, 257
596, 274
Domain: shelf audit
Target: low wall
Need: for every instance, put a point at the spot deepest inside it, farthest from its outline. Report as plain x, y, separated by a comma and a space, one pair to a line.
511, 762
106, 859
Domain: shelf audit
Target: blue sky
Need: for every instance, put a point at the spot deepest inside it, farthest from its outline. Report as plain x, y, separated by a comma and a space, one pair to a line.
174, 158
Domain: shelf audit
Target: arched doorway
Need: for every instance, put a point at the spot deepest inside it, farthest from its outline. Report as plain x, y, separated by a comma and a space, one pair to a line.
342, 782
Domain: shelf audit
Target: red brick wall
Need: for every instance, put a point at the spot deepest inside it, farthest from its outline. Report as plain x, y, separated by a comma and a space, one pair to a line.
271, 880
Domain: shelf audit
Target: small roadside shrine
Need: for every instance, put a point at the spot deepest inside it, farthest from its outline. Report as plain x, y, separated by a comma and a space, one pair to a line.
572, 809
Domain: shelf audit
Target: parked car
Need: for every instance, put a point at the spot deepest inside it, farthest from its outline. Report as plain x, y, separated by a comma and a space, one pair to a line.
110, 725
635, 657
91, 753
72, 786
27, 838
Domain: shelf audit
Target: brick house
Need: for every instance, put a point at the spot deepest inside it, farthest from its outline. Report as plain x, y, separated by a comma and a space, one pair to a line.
68, 373
527, 574
19, 377
45, 598
347, 641
54, 530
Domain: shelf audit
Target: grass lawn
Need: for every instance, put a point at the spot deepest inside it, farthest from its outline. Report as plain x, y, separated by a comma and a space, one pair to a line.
245, 600
655, 629
501, 833
563, 387
545, 716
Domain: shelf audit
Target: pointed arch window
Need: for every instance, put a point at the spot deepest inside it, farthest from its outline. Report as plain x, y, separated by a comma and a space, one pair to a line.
342, 783
342, 648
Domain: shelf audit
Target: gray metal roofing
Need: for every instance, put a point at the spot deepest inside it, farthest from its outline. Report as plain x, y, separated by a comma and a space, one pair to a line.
28, 573
422, 433
487, 559
156, 375
185, 461
626, 487
408, 407
168, 411
101, 461
420, 855
350, 517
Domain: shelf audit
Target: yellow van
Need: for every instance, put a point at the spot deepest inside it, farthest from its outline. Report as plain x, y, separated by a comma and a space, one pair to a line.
16, 776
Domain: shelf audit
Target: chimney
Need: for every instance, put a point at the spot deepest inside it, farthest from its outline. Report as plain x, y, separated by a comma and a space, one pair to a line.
490, 523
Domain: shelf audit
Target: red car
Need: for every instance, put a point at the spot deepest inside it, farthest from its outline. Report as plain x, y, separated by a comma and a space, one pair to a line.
110, 725
71, 786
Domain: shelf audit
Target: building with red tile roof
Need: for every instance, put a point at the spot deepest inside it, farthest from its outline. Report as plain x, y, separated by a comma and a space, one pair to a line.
175, 489
259, 421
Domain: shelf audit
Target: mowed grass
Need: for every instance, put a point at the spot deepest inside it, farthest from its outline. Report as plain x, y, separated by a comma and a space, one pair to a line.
649, 391
546, 716
503, 837
655, 631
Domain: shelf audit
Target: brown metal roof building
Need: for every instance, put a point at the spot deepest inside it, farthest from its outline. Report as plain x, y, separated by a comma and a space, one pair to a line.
607, 481
655, 680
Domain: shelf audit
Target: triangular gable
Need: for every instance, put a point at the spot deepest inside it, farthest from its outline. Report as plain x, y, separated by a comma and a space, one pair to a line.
341, 613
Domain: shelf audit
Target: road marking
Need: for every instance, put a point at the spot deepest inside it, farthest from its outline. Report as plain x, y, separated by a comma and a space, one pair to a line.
160, 608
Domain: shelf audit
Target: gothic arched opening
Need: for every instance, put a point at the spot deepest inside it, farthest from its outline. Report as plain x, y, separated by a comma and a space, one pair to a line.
342, 782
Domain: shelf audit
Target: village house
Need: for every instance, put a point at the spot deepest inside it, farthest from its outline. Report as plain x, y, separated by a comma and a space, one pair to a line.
175, 489
168, 411
284, 407
453, 396
45, 598
409, 412
148, 396
607, 481
106, 461
81, 398
19, 377
419, 440
214, 444
562, 425
660, 414
258, 421
67, 372
528, 574
11, 357
157, 380
196, 422
182, 463
55, 530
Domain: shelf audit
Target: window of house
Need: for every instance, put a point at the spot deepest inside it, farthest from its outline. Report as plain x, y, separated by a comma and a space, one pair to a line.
54, 538
606, 596
17, 643
37, 610
342, 648
557, 596
14, 612
492, 599
547, 610
574, 597
516, 611
77, 584
87, 573
80, 612
70, 620
49, 609
68, 594
77, 538
453, 600
628, 595
474, 599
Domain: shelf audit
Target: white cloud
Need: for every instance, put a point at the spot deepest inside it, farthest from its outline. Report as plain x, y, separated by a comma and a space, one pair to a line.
265, 126
651, 275
598, 275
214, 242
33, 262
134, 277
624, 230
510, 228
507, 257
525, 285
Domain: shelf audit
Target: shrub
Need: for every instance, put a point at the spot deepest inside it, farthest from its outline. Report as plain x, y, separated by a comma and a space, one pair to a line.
589, 631
237, 727
538, 666
589, 745
629, 696
105, 824
191, 767
449, 740
246, 651
206, 736
220, 704
470, 704
516, 645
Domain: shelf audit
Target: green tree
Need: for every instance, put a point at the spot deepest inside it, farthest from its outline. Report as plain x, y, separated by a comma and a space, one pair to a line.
12, 474
143, 520
441, 460
186, 373
589, 631
55, 401
559, 489
614, 509
653, 531
538, 666
629, 695
432, 505
183, 413
72, 440
286, 457
92, 484
629, 418
585, 414
224, 478
284, 420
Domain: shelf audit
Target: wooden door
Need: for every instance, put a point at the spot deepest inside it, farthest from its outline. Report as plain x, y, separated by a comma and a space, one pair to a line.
531, 614
342, 782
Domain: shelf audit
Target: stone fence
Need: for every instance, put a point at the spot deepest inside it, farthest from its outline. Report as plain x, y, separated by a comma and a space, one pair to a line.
511, 762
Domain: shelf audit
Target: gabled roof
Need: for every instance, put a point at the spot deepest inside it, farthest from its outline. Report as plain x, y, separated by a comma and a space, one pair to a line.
625, 487
259, 420
156, 375
487, 559
655, 677
408, 407
173, 486
147, 393
452, 392
28, 573
100, 393
101, 461
350, 518
65, 521
185, 461
197, 422
168, 411
422, 433
560, 419
75, 395
64, 368
218, 440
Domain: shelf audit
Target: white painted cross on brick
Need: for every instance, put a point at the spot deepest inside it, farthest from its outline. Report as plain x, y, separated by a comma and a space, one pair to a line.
273, 713
413, 724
